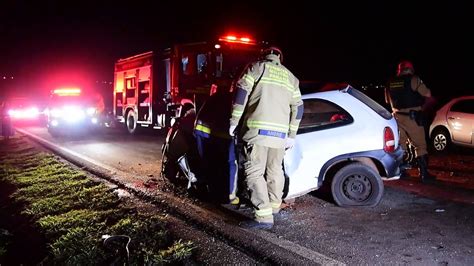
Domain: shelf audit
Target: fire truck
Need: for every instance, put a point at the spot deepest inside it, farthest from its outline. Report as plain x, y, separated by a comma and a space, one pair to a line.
153, 89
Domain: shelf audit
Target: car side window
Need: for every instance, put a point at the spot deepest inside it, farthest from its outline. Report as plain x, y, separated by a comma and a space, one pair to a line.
321, 114
463, 106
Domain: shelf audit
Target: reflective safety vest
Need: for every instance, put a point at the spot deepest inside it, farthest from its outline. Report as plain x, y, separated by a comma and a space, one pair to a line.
268, 101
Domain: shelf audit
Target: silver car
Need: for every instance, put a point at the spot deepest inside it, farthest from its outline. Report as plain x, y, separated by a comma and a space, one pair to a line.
453, 124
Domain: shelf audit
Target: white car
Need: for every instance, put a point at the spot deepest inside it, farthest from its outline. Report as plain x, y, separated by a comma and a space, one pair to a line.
453, 124
347, 139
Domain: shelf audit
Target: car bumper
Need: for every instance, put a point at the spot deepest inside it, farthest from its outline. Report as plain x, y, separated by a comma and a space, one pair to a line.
87, 122
391, 163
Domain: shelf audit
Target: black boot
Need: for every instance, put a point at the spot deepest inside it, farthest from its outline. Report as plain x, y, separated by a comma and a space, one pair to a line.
425, 176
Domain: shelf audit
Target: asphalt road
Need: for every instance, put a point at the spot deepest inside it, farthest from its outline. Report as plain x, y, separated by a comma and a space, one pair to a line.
415, 223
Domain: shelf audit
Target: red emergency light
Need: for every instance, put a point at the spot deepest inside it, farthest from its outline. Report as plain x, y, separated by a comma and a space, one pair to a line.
236, 39
67, 92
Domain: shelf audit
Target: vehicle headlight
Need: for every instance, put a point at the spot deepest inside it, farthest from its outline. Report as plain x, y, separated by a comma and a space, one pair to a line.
90, 111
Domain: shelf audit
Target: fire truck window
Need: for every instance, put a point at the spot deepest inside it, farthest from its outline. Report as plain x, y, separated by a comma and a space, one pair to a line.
188, 65
219, 65
184, 63
201, 63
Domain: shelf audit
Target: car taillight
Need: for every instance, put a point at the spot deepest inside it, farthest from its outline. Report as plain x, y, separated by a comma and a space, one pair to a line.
388, 140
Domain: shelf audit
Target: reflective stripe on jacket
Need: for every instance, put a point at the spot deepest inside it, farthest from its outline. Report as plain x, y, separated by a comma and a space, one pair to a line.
269, 95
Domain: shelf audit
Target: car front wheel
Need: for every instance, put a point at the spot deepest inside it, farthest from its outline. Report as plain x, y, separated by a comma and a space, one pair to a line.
440, 140
357, 184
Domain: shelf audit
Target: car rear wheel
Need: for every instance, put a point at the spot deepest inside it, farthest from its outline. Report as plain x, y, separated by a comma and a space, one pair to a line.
357, 184
440, 140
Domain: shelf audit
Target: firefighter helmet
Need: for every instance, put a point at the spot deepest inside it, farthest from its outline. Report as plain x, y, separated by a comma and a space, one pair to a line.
405, 68
272, 50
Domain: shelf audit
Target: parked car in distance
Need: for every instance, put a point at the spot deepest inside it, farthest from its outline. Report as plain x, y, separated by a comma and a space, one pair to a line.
453, 124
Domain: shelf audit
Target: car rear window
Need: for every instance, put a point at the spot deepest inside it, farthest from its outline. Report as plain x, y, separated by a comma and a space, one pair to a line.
379, 109
321, 114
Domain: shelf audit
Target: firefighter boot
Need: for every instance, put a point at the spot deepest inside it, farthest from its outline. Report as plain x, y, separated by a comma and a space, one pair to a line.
425, 176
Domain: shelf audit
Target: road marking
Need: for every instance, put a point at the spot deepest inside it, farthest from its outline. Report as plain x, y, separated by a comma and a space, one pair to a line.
300, 250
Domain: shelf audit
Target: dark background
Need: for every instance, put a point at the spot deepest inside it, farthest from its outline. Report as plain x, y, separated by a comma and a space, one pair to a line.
52, 43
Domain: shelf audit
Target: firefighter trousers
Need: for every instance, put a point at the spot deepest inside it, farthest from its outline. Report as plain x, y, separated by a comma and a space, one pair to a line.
263, 169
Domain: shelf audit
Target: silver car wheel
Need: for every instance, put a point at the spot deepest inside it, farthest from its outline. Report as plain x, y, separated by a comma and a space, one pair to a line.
440, 142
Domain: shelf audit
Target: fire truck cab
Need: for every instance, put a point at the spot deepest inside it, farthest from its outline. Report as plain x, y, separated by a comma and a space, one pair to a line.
154, 88
72, 110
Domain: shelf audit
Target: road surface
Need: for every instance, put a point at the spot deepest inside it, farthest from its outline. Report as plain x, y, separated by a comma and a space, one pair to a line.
415, 223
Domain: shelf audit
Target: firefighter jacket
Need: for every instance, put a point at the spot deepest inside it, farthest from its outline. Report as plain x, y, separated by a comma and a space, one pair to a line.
267, 103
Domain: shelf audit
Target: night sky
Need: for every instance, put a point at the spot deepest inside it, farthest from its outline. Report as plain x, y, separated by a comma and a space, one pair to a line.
55, 42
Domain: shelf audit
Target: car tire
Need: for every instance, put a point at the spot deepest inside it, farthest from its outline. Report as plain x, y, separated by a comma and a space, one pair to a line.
174, 147
131, 122
440, 140
357, 184
169, 167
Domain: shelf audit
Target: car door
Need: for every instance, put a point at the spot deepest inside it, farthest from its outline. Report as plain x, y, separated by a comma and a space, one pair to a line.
460, 119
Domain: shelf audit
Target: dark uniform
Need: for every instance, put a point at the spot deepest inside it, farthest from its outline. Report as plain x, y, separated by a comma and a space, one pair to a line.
408, 96
216, 147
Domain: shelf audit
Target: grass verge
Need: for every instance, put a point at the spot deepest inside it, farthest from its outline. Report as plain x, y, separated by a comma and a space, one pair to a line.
72, 213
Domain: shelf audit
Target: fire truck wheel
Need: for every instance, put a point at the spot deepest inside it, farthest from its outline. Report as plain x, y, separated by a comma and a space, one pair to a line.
131, 122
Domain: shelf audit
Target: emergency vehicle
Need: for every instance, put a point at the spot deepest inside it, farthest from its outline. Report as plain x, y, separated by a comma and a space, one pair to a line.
154, 88
72, 110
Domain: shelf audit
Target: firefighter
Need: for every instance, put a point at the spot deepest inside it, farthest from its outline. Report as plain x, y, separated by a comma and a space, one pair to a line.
216, 147
410, 99
268, 109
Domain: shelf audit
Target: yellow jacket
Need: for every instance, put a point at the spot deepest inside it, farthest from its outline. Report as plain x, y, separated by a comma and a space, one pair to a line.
268, 101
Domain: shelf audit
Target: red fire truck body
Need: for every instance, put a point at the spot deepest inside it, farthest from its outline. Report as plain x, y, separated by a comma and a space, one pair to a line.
154, 88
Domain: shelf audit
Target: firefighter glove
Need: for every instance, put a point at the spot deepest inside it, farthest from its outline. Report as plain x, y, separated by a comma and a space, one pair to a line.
290, 142
232, 130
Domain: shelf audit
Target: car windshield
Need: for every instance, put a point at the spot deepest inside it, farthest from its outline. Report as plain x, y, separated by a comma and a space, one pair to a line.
379, 109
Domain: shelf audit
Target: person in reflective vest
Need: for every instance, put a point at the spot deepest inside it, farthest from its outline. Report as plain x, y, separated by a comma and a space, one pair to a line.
216, 147
268, 109
409, 99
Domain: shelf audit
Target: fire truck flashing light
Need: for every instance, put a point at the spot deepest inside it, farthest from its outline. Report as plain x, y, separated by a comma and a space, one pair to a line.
67, 92
235, 39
